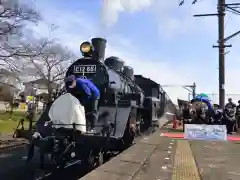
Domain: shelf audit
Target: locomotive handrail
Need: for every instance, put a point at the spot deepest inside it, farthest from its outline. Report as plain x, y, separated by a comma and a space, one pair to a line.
115, 116
134, 84
129, 79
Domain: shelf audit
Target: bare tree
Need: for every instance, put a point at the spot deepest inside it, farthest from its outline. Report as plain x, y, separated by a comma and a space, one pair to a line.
51, 65
13, 17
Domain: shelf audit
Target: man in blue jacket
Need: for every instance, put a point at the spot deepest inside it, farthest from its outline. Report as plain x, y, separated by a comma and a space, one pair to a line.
87, 93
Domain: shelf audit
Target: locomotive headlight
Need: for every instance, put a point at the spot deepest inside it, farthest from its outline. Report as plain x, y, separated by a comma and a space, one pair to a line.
85, 47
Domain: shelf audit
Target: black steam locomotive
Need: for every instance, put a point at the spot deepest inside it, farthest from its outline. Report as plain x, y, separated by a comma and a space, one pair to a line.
129, 105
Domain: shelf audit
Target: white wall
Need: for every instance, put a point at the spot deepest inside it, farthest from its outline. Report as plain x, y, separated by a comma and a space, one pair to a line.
38, 88
39, 91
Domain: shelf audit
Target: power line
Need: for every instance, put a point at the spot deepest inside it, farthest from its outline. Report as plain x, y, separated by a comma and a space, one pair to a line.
222, 7
227, 21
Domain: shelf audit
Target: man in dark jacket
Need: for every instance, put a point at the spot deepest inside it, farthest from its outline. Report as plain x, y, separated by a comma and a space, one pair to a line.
87, 93
186, 115
230, 104
229, 115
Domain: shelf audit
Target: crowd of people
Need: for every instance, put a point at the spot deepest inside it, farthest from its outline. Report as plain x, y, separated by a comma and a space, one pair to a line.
229, 116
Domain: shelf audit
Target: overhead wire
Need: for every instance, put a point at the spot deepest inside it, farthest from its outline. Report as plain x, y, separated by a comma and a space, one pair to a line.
231, 10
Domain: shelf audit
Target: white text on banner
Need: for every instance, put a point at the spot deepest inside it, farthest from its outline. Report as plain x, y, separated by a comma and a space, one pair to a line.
205, 132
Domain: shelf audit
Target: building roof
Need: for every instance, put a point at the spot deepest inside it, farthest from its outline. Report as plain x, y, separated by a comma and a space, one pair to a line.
40, 81
9, 85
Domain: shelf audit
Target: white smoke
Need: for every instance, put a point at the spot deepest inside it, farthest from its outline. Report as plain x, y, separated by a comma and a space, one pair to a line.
112, 8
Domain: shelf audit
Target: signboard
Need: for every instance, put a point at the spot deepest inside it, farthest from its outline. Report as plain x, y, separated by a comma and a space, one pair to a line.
85, 69
205, 132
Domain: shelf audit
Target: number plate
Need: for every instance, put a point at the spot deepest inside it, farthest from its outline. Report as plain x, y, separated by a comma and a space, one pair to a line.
85, 69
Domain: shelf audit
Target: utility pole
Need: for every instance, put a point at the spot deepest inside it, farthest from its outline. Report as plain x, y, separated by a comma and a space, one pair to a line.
194, 90
221, 49
221, 8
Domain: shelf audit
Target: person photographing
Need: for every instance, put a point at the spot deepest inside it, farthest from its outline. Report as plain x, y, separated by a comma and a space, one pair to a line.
87, 93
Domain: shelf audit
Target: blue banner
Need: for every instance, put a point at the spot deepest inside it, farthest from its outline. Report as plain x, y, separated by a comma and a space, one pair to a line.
205, 132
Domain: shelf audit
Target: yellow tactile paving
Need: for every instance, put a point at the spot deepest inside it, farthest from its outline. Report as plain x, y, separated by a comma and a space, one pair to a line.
184, 164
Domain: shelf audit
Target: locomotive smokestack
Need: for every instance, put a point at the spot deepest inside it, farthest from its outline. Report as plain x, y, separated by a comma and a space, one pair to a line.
99, 45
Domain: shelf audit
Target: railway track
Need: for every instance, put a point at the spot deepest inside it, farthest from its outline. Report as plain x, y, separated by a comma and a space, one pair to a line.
9, 148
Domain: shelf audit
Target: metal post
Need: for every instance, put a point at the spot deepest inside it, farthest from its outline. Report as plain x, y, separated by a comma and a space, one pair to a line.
194, 90
221, 14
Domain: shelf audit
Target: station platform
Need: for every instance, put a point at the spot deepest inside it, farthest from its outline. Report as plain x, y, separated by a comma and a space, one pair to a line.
167, 158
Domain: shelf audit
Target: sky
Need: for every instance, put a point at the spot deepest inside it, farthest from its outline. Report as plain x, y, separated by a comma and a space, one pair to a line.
159, 39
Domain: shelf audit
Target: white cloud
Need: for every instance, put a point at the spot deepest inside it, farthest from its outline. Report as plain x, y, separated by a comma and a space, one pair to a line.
112, 8
73, 29
170, 19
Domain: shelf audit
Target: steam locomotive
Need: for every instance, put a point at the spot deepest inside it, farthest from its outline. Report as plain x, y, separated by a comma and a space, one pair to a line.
129, 105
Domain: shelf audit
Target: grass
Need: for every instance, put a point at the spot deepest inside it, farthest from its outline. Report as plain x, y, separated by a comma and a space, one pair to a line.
9, 126
9, 123
16, 115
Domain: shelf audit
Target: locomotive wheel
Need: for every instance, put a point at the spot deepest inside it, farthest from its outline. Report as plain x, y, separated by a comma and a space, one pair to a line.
129, 135
100, 158
139, 126
95, 159
91, 159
